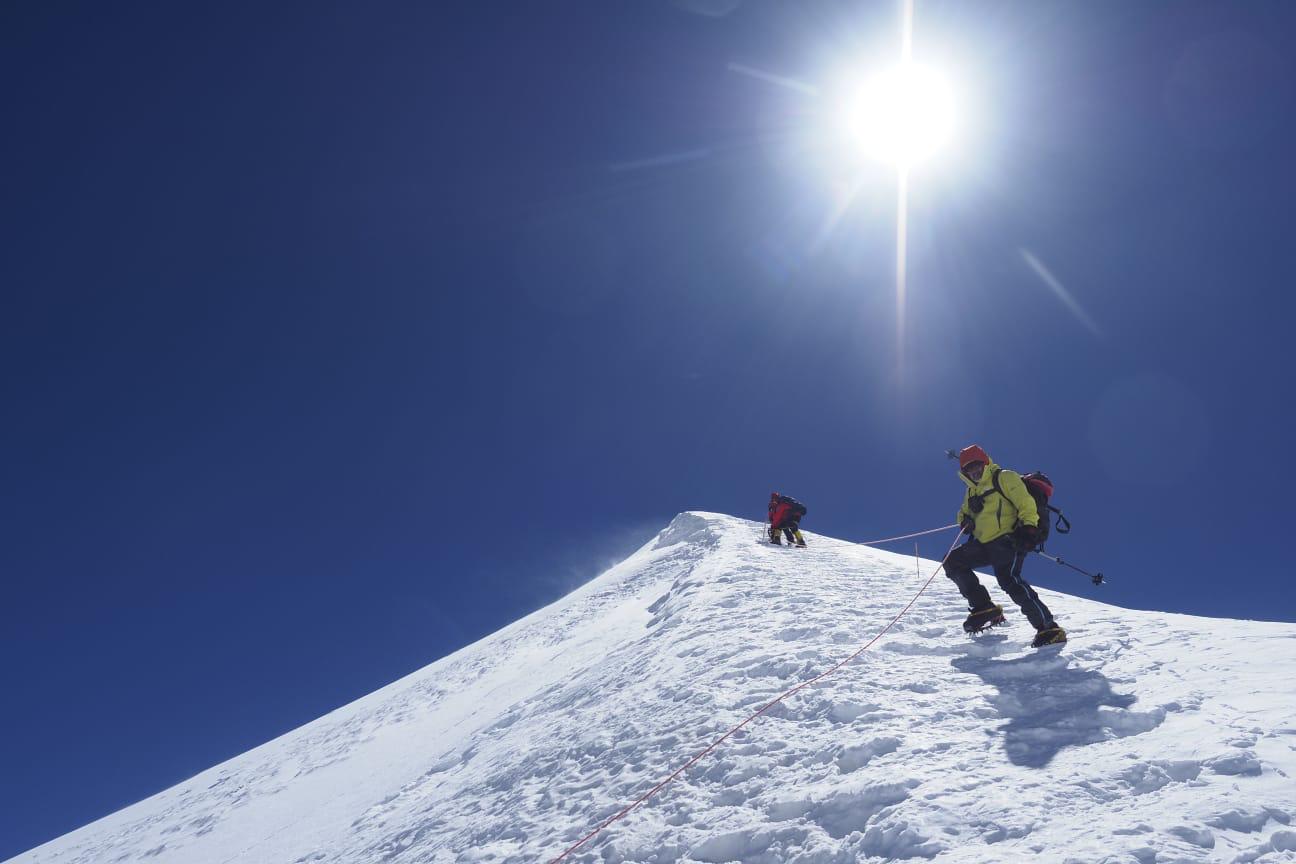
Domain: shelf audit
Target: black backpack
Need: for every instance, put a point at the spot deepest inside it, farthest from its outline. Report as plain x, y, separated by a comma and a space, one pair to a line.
1040, 488
798, 508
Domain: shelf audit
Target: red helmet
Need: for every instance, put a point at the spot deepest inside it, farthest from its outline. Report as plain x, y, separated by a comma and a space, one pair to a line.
773, 495
972, 453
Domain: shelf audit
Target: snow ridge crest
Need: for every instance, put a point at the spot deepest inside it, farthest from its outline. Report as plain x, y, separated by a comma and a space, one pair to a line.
1148, 738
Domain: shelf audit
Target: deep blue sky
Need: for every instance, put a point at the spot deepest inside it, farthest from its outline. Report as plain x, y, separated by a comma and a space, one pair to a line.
337, 336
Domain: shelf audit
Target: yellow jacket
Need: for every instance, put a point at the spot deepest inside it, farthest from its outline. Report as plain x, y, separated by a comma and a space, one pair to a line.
1000, 512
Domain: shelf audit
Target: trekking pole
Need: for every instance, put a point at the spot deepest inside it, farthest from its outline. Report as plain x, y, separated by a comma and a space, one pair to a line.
1096, 578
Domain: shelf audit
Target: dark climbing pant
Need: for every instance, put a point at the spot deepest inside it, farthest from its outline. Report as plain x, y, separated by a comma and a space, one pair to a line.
1002, 555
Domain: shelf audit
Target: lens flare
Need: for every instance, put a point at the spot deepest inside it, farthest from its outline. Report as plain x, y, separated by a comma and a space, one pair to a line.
902, 115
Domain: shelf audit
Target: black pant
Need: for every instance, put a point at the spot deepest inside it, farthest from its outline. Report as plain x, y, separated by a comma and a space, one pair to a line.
787, 526
1002, 555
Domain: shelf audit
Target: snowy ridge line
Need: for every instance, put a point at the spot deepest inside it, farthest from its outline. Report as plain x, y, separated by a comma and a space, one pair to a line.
716, 743
1154, 736
908, 536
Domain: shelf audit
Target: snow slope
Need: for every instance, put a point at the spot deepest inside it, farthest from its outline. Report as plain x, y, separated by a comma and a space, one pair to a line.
1150, 738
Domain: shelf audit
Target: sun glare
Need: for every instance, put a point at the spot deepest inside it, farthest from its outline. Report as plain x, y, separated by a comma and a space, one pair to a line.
901, 116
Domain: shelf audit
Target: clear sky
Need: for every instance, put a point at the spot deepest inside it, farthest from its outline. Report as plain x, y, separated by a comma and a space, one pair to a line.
337, 336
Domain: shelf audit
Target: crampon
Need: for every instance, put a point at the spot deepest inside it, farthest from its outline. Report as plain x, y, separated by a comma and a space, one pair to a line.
983, 619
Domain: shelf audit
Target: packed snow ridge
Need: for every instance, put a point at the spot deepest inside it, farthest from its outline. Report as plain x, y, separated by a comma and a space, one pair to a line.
1149, 738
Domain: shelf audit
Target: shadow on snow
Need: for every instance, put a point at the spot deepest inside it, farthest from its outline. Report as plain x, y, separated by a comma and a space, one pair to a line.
1048, 703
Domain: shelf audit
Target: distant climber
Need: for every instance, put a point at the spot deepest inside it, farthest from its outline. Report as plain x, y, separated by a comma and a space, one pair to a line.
1003, 521
785, 516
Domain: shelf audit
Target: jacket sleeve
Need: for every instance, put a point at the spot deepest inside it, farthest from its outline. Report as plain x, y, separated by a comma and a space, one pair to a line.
963, 510
1015, 491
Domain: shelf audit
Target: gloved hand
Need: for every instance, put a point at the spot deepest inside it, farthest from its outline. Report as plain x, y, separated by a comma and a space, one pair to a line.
967, 525
1026, 536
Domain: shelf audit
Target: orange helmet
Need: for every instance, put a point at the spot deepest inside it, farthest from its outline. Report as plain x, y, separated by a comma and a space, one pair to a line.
972, 453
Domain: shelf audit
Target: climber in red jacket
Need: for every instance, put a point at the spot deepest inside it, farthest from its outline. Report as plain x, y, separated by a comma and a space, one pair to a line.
785, 516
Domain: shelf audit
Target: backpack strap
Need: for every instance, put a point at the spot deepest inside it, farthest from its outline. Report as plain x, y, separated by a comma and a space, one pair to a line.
1043, 517
994, 487
979, 497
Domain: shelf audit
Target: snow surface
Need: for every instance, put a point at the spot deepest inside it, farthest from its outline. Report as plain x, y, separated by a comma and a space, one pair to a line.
1149, 738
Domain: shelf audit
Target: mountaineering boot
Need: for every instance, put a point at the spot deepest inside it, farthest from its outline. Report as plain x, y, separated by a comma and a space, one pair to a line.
1050, 634
983, 619
800, 541
774, 537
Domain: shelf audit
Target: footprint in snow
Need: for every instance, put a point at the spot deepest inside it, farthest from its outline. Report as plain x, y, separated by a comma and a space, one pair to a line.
1249, 820
854, 758
845, 711
1198, 836
1279, 841
842, 813
1143, 778
914, 649
1243, 763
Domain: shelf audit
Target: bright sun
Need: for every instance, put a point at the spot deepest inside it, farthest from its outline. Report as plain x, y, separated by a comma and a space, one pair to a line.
901, 116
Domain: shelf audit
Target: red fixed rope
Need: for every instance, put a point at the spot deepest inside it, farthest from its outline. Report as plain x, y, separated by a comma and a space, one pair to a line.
907, 536
716, 743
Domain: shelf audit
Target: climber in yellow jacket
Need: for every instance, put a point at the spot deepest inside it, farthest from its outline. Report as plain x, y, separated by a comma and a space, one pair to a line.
1003, 521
